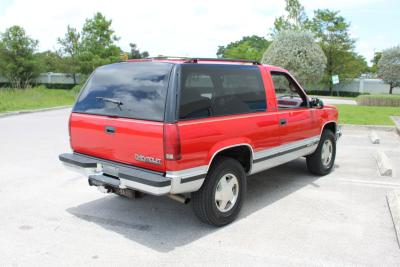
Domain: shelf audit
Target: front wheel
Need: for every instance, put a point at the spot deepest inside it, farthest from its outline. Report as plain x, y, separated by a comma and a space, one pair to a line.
219, 200
322, 160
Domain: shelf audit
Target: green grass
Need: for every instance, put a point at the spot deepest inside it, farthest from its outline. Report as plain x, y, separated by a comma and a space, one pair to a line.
34, 98
366, 115
41, 97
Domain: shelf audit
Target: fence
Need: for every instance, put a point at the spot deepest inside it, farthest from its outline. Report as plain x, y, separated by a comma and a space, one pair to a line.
365, 86
52, 79
357, 86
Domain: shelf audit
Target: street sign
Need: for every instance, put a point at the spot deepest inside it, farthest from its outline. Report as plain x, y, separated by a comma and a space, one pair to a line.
335, 79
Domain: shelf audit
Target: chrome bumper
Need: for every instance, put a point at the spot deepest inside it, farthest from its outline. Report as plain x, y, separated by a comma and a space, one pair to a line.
111, 174
106, 173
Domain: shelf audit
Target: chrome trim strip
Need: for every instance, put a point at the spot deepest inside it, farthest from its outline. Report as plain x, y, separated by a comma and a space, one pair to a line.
284, 158
268, 153
187, 173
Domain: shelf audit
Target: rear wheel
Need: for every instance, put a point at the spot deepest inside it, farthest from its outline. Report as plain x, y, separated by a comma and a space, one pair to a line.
322, 160
219, 200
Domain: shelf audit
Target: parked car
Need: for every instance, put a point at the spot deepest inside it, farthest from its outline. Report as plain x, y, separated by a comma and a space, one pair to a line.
195, 129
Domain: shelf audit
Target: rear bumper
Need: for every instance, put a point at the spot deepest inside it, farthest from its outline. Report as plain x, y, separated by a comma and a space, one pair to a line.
106, 173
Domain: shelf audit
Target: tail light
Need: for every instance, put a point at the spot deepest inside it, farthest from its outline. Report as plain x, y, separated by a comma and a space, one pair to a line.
69, 130
172, 143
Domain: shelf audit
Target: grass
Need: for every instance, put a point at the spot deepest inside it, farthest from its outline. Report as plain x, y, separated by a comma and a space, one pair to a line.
366, 115
41, 97
34, 98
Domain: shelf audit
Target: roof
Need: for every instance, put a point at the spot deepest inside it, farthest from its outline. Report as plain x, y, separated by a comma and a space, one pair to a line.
182, 60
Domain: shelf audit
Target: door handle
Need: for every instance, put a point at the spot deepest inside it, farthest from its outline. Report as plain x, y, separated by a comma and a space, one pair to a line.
110, 129
282, 122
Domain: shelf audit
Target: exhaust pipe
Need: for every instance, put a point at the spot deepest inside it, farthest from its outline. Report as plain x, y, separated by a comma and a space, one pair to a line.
180, 198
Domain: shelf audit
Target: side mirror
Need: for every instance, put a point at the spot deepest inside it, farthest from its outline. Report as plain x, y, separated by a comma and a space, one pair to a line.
316, 103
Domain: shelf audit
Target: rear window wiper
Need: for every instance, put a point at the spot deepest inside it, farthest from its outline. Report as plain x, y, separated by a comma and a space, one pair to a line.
111, 100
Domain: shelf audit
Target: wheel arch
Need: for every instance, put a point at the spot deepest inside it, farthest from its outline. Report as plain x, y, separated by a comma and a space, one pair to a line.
330, 125
241, 152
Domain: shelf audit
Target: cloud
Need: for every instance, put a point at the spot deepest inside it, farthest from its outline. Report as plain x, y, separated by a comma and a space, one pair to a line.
173, 27
337, 4
189, 28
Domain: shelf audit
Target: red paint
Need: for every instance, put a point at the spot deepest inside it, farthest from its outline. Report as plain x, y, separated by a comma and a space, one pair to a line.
199, 139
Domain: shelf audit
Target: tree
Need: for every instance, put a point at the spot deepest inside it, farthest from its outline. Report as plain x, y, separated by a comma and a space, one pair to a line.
297, 52
97, 45
249, 47
332, 33
17, 62
135, 52
295, 18
70, 47
389, 67
50, 61
375, 61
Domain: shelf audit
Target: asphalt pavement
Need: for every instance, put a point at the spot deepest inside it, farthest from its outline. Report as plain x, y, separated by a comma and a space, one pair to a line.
50, 216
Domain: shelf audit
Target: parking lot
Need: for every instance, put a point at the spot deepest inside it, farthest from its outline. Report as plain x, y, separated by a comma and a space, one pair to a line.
50, 216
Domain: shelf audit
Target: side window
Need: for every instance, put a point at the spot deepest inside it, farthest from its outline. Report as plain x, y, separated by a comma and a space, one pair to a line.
219, 90
196, 93
288, 94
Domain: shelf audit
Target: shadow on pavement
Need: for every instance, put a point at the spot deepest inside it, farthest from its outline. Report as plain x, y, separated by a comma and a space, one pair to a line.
163, 225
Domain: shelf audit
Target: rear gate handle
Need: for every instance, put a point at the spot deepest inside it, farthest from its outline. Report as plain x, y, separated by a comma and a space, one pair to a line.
110, 130
282, 122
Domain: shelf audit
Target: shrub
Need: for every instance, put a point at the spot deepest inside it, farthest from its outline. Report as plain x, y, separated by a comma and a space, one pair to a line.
379, 100
389, 67
299, 54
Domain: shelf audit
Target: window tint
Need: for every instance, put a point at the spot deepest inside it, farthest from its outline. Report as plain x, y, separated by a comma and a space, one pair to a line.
133, 90
287, 92
217, 90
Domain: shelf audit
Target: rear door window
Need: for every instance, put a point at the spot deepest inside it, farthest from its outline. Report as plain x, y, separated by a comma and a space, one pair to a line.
132, 90
217, 90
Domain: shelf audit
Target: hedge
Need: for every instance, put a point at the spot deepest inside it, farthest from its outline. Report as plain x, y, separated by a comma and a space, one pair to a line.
379, 100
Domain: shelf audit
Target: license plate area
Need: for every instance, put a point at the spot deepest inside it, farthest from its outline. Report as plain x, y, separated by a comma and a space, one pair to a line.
110, 170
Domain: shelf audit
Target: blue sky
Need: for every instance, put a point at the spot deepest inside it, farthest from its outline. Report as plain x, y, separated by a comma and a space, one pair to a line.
195, 28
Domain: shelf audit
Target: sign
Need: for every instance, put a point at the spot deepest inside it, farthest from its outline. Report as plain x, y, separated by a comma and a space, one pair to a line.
335, 79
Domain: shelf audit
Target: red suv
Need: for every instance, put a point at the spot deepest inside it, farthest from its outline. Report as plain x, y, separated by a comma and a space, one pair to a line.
195, 129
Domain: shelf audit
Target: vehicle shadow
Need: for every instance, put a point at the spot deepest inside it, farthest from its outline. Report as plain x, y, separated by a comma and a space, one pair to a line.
163, 224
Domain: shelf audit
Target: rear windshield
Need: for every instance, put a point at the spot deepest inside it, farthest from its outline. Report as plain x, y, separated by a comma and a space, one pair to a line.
130, 90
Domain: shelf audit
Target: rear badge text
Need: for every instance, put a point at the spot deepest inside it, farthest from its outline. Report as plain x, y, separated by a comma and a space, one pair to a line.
147, 159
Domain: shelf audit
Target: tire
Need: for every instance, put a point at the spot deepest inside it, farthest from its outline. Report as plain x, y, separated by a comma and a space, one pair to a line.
207, 207
318, 163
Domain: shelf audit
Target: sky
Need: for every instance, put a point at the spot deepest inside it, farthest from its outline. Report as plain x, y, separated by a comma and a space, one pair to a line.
195, 28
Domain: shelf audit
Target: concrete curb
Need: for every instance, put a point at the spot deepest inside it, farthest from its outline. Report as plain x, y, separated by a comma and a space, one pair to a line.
373, 136
396, 121
21, 112
393, 200
387, 128
384, 166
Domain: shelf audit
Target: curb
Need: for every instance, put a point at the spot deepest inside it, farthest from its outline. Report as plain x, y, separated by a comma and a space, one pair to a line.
396, 121
384, 166
393, 200
373, 136
369, 127
22, 112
